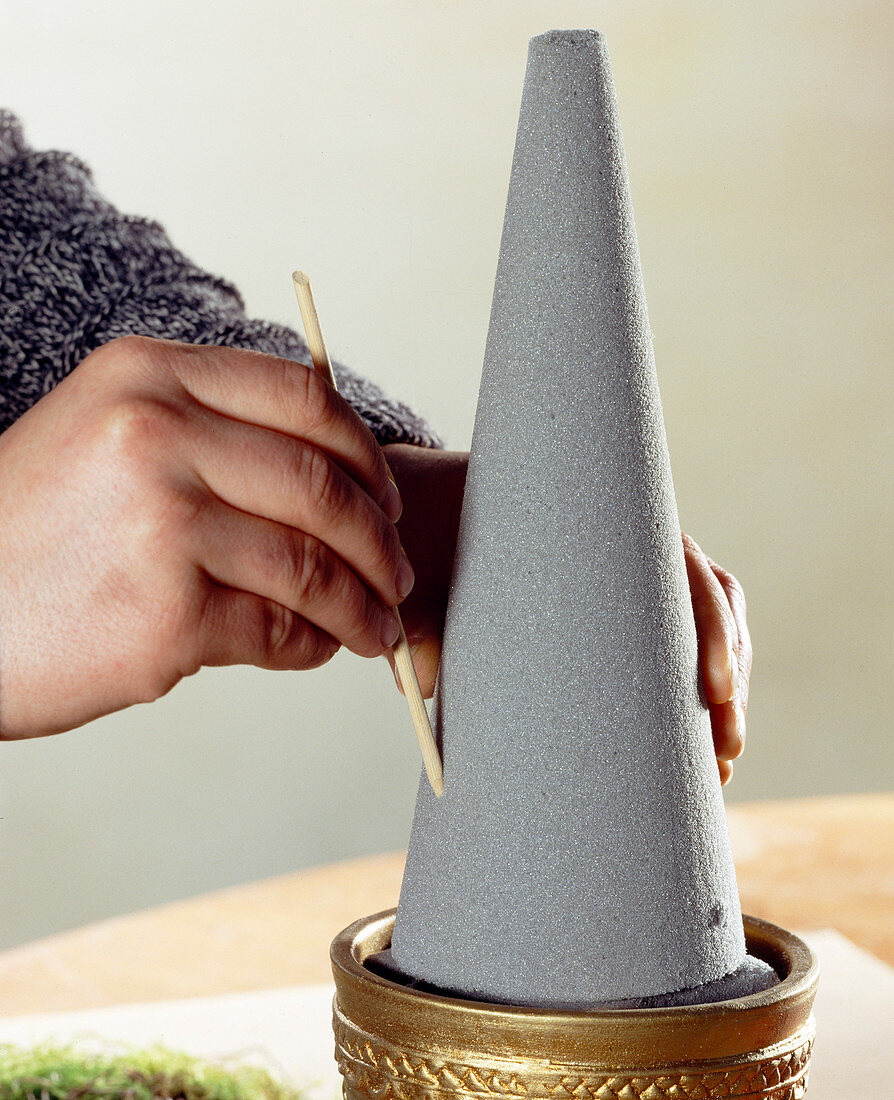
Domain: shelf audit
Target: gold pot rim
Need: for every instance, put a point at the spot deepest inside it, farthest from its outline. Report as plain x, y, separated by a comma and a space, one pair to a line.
642, 1036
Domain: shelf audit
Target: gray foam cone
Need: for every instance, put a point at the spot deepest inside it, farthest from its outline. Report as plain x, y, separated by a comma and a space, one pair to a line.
579, 853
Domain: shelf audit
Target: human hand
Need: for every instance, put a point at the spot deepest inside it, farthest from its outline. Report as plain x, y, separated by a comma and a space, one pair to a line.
724, 651
431, 485
169, 506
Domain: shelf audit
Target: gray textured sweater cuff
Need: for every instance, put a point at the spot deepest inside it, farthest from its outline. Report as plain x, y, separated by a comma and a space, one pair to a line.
75, 273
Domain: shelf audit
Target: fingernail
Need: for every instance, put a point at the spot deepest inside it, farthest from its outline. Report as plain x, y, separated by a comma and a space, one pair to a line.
406, 578
730, 675
389, 631
740, 727
392, 505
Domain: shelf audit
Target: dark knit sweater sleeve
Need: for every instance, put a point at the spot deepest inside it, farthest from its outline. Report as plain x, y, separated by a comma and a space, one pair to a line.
75, 273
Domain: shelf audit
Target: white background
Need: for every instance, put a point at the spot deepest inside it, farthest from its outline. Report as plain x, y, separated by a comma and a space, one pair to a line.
370, 144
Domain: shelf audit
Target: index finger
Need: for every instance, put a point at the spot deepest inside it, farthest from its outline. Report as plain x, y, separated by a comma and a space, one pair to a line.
715, 626
289, 397
736, 597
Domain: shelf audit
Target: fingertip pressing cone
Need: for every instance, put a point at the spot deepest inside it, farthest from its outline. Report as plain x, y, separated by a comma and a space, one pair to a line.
399, 1043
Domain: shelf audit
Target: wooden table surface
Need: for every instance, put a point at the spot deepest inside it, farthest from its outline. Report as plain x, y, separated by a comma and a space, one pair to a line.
803, 864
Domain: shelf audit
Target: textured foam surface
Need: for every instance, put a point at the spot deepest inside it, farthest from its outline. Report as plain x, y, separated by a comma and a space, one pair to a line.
752, 976
579, 853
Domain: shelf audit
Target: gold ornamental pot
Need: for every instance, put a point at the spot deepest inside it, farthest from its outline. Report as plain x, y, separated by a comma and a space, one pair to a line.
393, 1042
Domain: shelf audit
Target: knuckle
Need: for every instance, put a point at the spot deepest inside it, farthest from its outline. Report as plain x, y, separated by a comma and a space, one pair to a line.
133, 441
392, 554
323, 489
133, 343
381, 554
127, 424
373, 458
184, 508
130, 346
392, 550
194, 619
322, 410
133, 424
725, 612
126, 356
278, 630
746, 663
369, 615
168, 525
709, 605
322, 649
363, 612
730, 584
735, 589
289, 641
310, 570
319, 401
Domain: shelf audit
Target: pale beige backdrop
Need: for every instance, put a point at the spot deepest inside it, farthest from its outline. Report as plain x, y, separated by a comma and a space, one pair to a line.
371, 144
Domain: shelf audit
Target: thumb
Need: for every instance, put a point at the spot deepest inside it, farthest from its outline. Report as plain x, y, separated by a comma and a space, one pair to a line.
426, 654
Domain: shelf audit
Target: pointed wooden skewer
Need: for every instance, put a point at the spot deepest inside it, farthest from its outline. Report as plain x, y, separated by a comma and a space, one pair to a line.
402, 656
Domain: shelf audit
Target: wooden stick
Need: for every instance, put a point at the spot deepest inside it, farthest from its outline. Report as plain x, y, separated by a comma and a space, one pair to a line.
314, 333
403, 659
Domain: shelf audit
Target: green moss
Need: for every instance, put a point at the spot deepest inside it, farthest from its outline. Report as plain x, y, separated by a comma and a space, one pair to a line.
67, 1073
